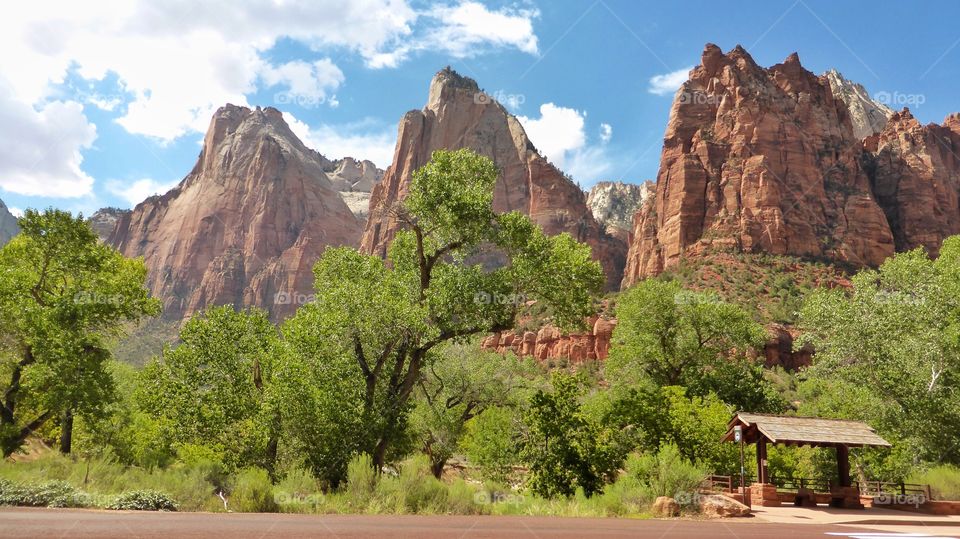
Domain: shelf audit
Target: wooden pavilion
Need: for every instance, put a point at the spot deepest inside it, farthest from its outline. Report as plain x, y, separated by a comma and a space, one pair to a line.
840, 434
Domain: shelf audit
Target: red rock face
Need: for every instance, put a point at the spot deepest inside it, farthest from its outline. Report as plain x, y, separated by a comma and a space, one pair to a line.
758, 159
916, 179
550, 343
245, 226
458, 115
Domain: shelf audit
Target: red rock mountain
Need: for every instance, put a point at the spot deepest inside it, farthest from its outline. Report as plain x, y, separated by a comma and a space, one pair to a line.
245, 226
459, 115
759, 159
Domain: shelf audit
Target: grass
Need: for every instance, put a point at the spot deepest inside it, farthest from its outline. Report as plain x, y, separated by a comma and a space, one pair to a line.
944, 481
59, 481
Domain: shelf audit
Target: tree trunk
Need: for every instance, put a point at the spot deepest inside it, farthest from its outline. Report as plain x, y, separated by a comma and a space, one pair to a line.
66, 432
436, 466
380, 454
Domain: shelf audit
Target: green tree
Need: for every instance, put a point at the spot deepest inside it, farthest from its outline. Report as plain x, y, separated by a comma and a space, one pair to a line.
676, 337
565, 448
384, 319
888, 352
461, 382
63, 295
492, 443
214, 389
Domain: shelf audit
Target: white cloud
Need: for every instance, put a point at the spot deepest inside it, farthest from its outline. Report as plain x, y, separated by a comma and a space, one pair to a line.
560, 135
464, 30
40, 148
16, 212
606, 132
668, 83
558, 130
308, 83
137, 191
357, 141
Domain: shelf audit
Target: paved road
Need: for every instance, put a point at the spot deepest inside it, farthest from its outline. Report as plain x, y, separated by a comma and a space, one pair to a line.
24, 522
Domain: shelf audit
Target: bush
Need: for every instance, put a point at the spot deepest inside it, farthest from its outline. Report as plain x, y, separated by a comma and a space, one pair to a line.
253, 492
944, 481
143, 500
298, 492
666, 473
418, 490
361, 479
47, 494
491, 444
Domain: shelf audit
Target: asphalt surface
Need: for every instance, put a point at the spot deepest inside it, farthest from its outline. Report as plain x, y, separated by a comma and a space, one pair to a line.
26, 522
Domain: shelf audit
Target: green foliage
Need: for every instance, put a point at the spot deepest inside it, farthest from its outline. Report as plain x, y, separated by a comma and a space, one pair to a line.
63, 294
214, 388
143, 500
492, 443
253, 492
888, 352
676, 337
944, 481
359, 351
46, 494
666, 473
565, 448
460, 383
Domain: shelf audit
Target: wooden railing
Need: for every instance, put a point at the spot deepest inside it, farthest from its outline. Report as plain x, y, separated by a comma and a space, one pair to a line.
730, 483
878, 488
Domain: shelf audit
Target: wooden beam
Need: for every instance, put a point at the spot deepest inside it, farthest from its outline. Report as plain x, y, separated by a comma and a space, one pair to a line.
843, 465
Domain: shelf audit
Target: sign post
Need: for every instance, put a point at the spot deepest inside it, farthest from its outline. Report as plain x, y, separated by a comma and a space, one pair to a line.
738, 437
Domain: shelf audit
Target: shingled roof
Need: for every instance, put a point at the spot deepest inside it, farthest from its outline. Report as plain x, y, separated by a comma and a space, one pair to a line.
792, 430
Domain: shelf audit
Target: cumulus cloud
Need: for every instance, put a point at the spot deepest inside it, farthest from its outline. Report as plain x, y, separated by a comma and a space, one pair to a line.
360, 141
175, 62
465, 30
560, 135
40, 148
136, 191
606, 132
668, 83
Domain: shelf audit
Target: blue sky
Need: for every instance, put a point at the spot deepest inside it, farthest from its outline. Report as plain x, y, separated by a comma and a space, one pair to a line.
105, 104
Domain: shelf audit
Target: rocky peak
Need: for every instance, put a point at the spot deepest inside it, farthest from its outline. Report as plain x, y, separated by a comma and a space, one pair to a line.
104, 220
245, 226
867, 115
614, 204
457, 116
8, 224
355, 180
758, 160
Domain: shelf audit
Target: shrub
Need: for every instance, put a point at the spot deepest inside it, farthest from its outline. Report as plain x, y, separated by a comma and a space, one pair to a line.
944, 481
298, 492
253, 492
418, 490
361, 478
666, 473
143, 500
491, 443
47, 494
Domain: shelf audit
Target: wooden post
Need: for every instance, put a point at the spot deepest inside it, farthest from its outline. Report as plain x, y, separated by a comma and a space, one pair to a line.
761, 460
843, 465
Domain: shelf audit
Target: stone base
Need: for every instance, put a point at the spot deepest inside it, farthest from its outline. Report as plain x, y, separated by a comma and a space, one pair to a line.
805, 498
764, 495
845, 497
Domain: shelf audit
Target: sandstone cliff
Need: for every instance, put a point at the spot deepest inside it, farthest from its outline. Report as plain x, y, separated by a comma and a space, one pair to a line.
354, 180
754, 160
915, 172
245, 226
8, 225
104, 220
458, 115
867, 116
613, 205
